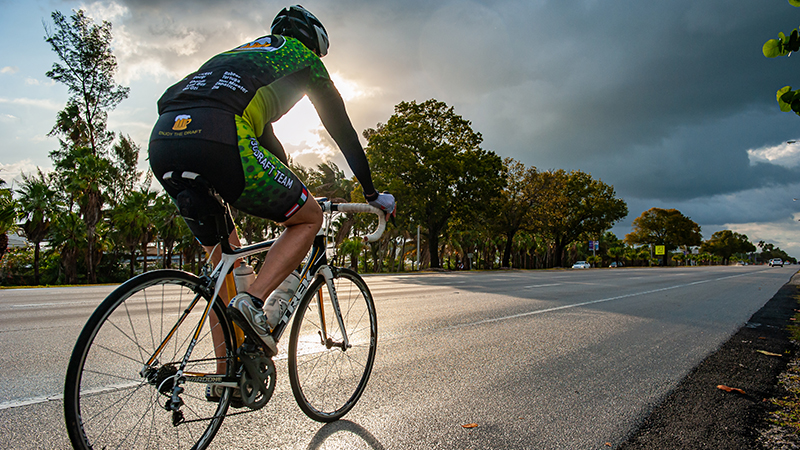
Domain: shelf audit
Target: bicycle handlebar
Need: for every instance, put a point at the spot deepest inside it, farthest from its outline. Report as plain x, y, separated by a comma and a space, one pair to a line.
360, 208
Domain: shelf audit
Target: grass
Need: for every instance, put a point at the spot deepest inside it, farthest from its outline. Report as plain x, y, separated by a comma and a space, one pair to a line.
787, 413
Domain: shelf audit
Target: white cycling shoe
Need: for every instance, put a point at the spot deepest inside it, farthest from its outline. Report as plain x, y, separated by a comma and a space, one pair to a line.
252, 320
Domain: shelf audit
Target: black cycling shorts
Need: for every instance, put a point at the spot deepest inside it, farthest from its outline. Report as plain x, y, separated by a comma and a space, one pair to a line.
224, 149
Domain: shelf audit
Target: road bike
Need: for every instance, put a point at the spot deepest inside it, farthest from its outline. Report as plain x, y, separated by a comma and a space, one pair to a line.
159, 362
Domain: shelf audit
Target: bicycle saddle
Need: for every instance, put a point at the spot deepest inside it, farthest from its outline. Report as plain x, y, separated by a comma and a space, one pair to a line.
197, 199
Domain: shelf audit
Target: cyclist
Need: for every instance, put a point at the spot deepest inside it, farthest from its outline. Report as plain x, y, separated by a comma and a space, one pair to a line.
217, 122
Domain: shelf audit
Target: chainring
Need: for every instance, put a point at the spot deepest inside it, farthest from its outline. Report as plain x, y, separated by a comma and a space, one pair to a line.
257, 381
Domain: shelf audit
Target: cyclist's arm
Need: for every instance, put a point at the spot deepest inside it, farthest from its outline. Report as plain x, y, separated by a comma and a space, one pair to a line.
269, 141
331, 110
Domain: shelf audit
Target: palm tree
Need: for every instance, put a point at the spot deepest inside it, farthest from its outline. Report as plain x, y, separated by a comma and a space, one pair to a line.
68, 237
8, 216
84, 175
132, 224
616, 253
330, 181
38, 203
167, 225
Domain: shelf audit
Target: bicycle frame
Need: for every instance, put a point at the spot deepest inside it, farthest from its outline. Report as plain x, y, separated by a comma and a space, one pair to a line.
316, 264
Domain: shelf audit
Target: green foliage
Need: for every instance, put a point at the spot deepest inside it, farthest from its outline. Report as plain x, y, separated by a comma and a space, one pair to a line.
788, 99
515, 206
770, 251
666, 227
330, 181
8, 216
87, 68
87, 170
576, 206
727, 243
431, 160
39, 203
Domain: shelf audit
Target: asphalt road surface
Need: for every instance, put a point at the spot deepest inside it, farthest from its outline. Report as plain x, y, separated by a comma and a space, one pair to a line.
560, 359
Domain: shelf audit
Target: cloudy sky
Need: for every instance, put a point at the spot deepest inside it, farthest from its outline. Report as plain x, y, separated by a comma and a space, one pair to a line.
673, 102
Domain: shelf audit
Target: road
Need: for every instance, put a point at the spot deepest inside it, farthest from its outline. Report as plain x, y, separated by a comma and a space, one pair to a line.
559, 359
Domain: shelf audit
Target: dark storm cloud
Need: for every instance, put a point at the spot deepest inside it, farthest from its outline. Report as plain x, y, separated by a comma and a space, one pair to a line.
661, 99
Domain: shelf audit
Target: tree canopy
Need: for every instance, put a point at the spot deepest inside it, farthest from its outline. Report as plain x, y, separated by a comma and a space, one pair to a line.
430, 158
668, 227
726, 243
577, 206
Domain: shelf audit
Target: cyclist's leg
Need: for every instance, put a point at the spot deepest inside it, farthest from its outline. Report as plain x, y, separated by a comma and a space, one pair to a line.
272, 191
289, 250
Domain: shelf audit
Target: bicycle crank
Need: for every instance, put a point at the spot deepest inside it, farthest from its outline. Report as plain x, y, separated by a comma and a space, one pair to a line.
257, 381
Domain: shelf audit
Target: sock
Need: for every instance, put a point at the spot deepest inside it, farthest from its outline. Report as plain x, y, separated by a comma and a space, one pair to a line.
257, 302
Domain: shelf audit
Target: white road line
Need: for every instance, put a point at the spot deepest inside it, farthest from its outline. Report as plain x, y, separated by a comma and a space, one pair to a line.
37, 400
48, 305
29, 401
591, 302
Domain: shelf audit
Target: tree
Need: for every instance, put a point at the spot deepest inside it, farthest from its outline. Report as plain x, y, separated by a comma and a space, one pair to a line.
616, 253
8, 216
576, 205
788, 99
83, 176
87, 68
124, 160
68, 237
330, 181
666, 227
133, 225
769, 251
431, 160
515, 204
726, 243
39, 204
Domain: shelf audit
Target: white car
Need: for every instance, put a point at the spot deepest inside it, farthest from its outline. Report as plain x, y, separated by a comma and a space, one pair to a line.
775, 262
581, 265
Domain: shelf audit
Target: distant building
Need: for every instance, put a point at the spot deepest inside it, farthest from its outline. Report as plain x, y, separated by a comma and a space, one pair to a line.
16, 241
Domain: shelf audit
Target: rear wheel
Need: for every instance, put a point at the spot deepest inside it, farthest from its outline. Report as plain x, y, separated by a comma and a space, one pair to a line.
328, 379
113, 400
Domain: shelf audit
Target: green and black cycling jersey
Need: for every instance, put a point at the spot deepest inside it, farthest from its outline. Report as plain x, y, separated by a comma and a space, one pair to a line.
260, 81
218, 122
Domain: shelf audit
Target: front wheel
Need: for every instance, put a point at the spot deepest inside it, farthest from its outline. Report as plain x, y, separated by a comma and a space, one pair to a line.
114, 399
327, 377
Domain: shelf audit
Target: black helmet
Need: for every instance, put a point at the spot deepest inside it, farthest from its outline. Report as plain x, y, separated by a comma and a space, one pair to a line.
297, 22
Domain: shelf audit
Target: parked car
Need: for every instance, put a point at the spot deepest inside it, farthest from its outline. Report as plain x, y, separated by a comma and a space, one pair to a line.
775, 262
581, 265
615, 264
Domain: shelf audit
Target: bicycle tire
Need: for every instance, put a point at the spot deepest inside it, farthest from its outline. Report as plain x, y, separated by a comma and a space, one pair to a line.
108, 403
327, 381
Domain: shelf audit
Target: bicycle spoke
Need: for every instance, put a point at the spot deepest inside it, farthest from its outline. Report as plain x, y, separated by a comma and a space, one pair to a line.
103, 410
326, 378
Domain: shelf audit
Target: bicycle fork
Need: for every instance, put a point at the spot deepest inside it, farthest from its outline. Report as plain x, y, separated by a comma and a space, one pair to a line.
327, 274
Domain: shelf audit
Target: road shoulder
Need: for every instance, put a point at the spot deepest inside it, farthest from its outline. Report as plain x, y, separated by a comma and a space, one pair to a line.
698, 414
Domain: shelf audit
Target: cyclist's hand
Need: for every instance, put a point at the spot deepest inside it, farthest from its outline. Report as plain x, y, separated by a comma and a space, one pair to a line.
386, 203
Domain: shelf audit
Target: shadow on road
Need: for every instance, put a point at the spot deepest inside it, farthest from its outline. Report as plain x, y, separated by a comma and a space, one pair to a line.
344, 434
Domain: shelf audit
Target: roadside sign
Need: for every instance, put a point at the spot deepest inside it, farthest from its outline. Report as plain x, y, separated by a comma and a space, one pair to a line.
661, 250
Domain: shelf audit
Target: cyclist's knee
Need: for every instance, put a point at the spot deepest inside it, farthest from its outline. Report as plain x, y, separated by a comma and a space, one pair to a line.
309, 214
